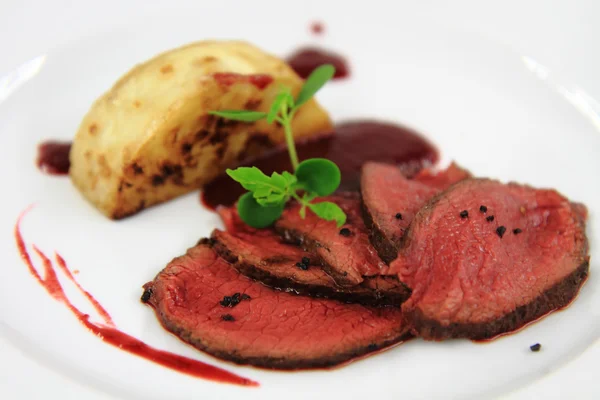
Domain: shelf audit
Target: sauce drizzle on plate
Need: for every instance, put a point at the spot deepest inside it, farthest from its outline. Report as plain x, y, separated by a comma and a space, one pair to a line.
107, 331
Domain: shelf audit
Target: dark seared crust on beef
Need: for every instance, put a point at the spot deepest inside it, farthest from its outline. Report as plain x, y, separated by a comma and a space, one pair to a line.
299, 238
396, 292
389, 201
557, 297
345, 252
267, 328
373, 291
386, 248
263, 255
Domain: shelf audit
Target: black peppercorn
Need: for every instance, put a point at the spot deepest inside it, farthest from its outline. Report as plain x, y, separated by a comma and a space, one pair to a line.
500, 230
146, 295
231, 301
535, 347
226, 302
464, 214
345, 232
235, 300
302, 266
483, 209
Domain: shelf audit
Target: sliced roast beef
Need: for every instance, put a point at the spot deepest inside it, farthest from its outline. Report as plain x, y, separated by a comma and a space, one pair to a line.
346, 253
262, 255
203, 300
285, 267
267, 259
442, 179
581, 211
390, 201
484, 258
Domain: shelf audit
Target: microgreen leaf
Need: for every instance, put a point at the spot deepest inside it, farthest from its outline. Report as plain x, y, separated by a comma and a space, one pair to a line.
240, 115
319, 175
303, 211
278, 180
252, 178
267, 196
291, 103
314, 82
283, 99
308, 197
256, 215
276, 106
272, 199
329, 211
289, 178
262, 192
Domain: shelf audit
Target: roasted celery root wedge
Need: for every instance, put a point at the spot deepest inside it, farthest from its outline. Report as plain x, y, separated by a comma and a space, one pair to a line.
150, 138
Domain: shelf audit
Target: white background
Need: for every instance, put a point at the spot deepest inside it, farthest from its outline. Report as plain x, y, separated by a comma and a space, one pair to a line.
562, 35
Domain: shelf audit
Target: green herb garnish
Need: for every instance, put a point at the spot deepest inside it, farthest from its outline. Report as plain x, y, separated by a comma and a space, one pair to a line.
312, 178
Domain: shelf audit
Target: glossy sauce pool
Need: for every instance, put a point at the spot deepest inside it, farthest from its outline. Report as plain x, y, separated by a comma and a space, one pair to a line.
350, 146
306, 59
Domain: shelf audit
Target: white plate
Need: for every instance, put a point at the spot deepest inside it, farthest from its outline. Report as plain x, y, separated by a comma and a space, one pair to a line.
497, 113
